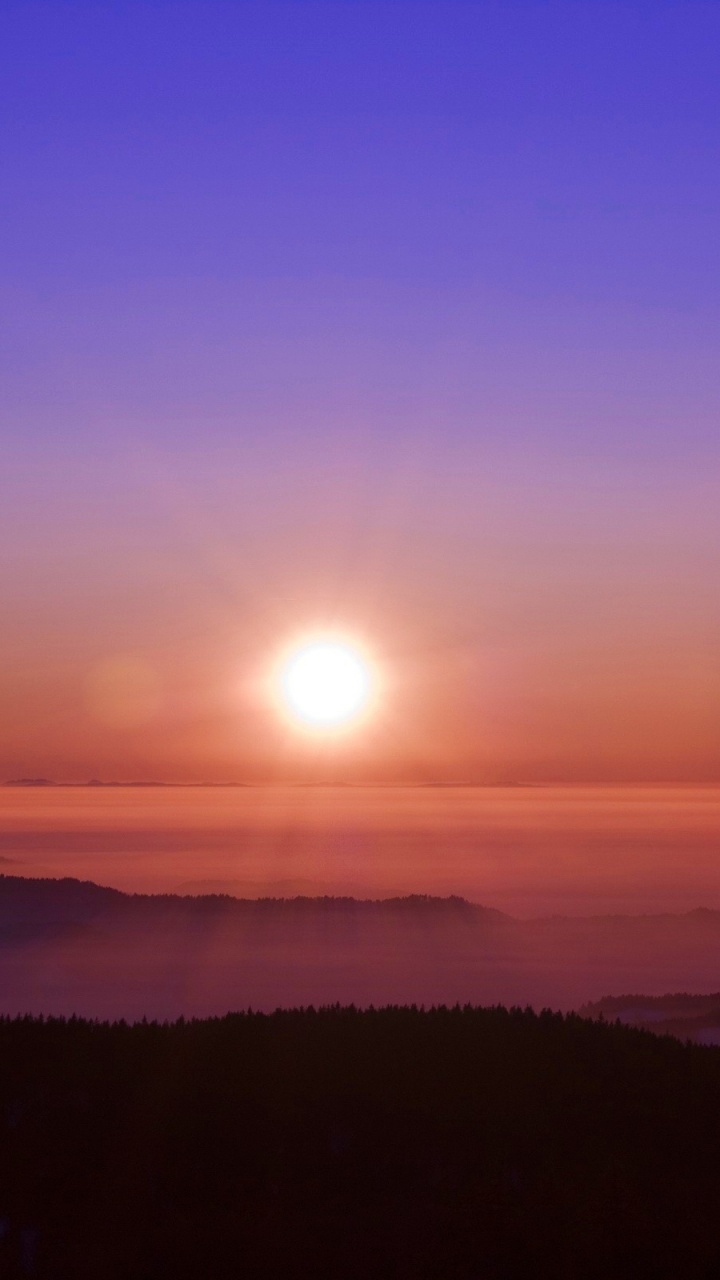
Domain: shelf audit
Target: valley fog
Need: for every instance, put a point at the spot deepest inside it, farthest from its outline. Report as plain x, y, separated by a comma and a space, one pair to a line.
529, 851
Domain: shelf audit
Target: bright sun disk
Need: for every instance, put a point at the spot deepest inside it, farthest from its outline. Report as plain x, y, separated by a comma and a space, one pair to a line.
326, 683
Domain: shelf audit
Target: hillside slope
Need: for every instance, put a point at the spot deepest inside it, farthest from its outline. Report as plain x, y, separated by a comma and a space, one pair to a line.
420, 1146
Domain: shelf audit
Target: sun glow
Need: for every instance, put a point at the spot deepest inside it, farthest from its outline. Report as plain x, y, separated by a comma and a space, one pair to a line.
326, 683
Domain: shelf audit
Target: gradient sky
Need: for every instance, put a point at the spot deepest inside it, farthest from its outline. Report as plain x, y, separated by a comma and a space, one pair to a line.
396, 317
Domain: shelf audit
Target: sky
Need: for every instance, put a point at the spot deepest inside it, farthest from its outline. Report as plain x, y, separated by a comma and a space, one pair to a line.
393, 319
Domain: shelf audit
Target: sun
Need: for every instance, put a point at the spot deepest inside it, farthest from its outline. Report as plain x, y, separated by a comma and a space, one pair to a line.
326, 683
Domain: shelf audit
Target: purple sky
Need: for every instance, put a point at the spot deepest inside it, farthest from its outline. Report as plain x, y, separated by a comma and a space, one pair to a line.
400, 315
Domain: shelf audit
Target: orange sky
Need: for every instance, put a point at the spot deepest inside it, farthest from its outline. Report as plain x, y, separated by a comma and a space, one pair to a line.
527, 850
523, 629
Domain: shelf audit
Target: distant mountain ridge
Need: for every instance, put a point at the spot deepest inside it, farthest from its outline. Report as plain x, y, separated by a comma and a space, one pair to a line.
21, 891
72, 946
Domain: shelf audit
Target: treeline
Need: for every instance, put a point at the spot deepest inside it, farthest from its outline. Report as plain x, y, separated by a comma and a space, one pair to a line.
20, 893
452, 1144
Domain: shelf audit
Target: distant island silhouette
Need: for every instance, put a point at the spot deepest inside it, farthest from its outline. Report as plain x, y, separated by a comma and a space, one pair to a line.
157, 782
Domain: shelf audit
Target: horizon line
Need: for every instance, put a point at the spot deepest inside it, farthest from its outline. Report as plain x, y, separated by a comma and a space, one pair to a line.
428, 783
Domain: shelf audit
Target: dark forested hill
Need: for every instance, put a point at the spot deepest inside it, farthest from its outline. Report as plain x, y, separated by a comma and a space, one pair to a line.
441, 1145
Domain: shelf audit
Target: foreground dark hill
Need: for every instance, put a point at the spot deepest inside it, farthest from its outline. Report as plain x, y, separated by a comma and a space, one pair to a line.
68, 946
441, 1145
